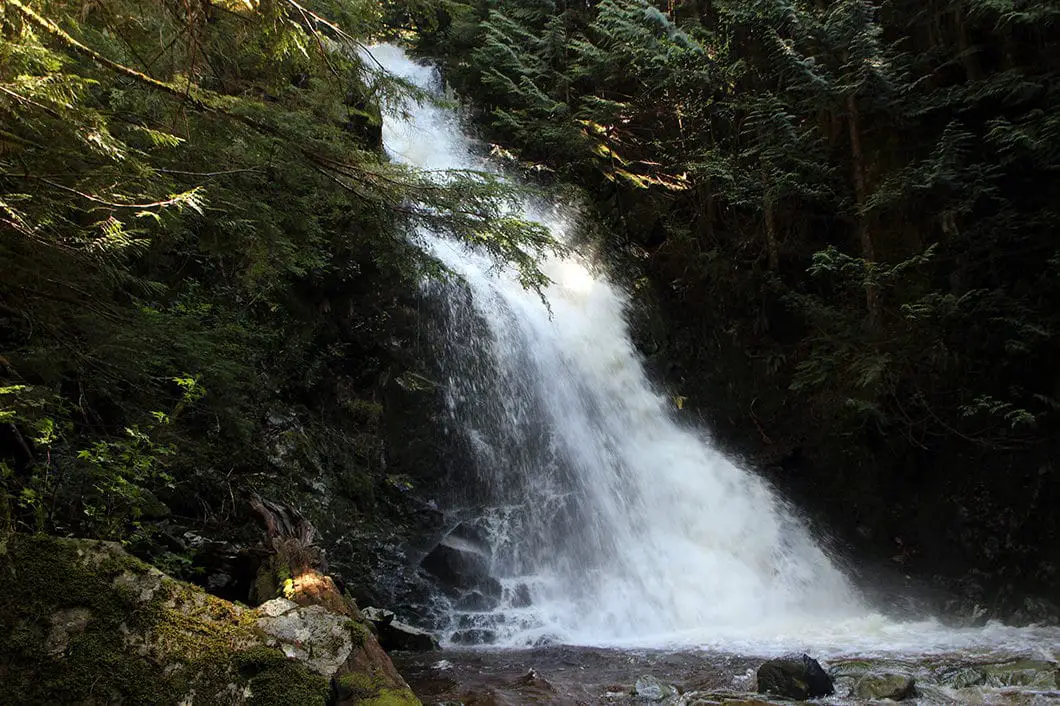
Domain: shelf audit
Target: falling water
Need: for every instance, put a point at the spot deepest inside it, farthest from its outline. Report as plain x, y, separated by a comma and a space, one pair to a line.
604, 517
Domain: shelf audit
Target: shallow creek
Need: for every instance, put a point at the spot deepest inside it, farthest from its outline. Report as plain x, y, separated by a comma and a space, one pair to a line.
588, 675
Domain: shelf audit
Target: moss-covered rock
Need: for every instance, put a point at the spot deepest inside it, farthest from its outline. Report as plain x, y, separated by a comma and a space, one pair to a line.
89, 624
896, 687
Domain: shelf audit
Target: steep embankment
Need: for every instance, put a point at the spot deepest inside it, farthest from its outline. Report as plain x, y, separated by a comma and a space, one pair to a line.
840, 216
87, 623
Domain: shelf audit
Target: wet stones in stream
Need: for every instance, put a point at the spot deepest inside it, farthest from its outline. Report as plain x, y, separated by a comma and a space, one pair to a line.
1028, 673
896, 687
579, 676
650, 689
798, 677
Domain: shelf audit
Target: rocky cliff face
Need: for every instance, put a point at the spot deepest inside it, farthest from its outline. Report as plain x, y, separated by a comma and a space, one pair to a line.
89, 624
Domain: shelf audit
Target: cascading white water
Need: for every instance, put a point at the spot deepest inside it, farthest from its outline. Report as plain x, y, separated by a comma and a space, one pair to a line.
608, 521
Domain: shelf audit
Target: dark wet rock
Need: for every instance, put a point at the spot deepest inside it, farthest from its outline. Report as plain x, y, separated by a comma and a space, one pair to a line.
533, 683
225, 569
547, 640
476, 601
652, 690
474, 534
1025, 673
462, 564
521, 596
396, 635
1036, 674
474, 636
896, 687
798, 677
1036, 610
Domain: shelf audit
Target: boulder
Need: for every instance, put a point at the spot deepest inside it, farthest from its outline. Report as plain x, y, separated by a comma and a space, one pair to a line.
396, 635
105, 627
896, 687
520, 596
476, 601
798, 677
649, 689
533, 687
462, 563
474, 636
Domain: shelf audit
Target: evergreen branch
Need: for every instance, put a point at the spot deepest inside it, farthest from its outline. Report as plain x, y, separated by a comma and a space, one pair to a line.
179, 198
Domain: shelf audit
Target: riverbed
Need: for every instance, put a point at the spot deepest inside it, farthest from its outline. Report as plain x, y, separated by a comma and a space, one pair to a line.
563, 674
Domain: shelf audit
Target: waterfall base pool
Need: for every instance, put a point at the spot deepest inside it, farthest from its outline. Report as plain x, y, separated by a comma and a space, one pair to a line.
588, 675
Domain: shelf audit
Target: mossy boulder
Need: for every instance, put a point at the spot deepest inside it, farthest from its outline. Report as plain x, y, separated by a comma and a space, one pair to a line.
89, 624
877, 686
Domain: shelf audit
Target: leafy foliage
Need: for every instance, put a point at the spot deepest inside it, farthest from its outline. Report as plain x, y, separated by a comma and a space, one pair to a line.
185, 190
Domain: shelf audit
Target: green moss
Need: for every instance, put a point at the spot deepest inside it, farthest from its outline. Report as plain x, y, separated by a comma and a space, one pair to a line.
365, 412
271, 580
143, 639
275, 680
44, 576
357, 684
392, 697
358, 631
368, 690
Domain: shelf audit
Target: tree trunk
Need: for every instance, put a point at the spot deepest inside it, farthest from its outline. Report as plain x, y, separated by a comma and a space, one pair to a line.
972, 70
772, 249
706, 209
296, 569
868, 248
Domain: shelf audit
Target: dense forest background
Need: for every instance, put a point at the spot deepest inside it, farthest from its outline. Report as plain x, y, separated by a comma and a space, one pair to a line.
846, 213
838, 217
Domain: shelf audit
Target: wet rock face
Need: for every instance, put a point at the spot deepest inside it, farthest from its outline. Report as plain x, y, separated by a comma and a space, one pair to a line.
225, 569
474, 636
396, 635
461, 564
798, 677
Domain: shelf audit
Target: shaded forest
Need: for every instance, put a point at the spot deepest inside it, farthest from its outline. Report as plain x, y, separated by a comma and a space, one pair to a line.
203, 255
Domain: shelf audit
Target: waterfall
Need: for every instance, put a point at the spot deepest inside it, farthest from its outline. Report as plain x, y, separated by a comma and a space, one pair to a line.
616, 519
600, 515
